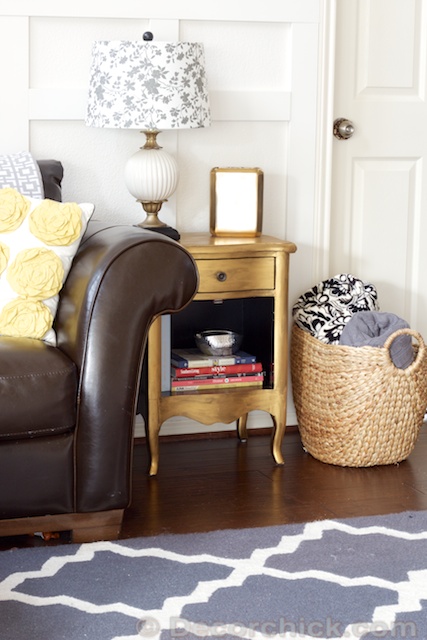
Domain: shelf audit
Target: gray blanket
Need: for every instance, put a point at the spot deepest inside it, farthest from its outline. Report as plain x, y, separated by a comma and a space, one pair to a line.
372, 328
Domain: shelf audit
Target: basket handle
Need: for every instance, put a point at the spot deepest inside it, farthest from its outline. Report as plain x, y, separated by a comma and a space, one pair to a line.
416, 363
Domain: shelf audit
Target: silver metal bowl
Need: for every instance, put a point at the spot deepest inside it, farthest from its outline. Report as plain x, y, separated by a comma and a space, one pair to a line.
218, 342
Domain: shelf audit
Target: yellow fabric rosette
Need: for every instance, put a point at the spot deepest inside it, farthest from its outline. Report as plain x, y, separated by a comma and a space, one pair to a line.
36, 273
25, 318
56, 223
4, 256
13, 209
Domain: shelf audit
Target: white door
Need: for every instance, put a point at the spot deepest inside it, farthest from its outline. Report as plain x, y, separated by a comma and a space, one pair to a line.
379, 185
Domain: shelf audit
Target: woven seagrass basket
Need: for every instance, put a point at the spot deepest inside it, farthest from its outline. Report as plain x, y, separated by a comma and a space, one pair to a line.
355, 408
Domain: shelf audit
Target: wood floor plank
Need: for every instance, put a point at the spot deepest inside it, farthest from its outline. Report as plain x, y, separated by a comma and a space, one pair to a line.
220, 483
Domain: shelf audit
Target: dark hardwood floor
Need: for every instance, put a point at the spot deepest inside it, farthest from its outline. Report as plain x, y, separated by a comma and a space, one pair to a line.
218, 483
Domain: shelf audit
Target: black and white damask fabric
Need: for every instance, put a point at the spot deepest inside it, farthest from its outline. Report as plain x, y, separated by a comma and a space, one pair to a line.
20, 171
325, 309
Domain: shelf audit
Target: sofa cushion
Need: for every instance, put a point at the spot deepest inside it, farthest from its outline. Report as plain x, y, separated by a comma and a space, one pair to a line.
52, 173
38, 241
38, 389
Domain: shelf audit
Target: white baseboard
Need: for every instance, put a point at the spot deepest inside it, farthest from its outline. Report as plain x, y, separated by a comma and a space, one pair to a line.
179, 425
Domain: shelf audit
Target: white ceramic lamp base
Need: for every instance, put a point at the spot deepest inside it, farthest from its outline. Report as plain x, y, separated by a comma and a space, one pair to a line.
151, 176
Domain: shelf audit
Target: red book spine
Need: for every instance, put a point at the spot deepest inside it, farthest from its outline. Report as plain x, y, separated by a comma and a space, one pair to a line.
232, 380
218, 370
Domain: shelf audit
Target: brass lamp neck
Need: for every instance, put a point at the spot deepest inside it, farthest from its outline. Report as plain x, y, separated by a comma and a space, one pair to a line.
151, 140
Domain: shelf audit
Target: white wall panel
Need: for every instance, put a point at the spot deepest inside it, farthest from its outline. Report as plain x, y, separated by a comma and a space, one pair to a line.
242, 55
252, 10
14, 120
60, 48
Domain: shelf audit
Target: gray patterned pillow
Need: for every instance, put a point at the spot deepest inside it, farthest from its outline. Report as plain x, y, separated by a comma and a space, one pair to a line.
20, 171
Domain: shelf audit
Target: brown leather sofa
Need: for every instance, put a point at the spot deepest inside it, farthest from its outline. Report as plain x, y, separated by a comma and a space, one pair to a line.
67, 412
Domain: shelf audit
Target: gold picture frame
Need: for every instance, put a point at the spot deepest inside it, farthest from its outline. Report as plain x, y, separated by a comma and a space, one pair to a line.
236, 201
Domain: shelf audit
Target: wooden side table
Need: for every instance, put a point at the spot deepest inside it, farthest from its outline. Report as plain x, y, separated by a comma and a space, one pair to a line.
243, 286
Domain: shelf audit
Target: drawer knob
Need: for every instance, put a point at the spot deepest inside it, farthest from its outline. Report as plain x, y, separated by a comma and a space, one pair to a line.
221, 276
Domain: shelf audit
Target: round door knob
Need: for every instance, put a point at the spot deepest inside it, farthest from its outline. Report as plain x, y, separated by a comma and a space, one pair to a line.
221, 276
343, 128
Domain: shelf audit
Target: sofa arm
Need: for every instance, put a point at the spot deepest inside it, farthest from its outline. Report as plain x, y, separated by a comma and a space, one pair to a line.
121, 279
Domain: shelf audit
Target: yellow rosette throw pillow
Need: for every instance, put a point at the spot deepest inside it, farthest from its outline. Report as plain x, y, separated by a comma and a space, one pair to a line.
38, 242
36, 273
13, 209
4, 256
56, 224
28, 318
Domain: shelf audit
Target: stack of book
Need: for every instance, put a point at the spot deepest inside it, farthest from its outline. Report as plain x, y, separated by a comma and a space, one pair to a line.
194, 371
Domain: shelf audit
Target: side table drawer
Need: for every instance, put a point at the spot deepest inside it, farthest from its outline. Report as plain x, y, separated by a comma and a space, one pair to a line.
240, 274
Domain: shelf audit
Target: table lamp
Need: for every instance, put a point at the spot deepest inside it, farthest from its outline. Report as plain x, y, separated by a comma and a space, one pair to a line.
150, 86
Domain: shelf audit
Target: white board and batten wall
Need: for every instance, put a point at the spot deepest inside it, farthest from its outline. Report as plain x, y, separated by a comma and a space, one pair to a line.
270, 84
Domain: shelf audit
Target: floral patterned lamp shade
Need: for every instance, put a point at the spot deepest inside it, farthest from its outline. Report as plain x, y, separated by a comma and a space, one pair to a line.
150, 86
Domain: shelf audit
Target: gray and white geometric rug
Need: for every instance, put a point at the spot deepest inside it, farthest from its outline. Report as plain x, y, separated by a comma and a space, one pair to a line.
342, 579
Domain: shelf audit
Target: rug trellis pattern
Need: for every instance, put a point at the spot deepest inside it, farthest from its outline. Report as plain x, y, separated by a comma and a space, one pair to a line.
356, 578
